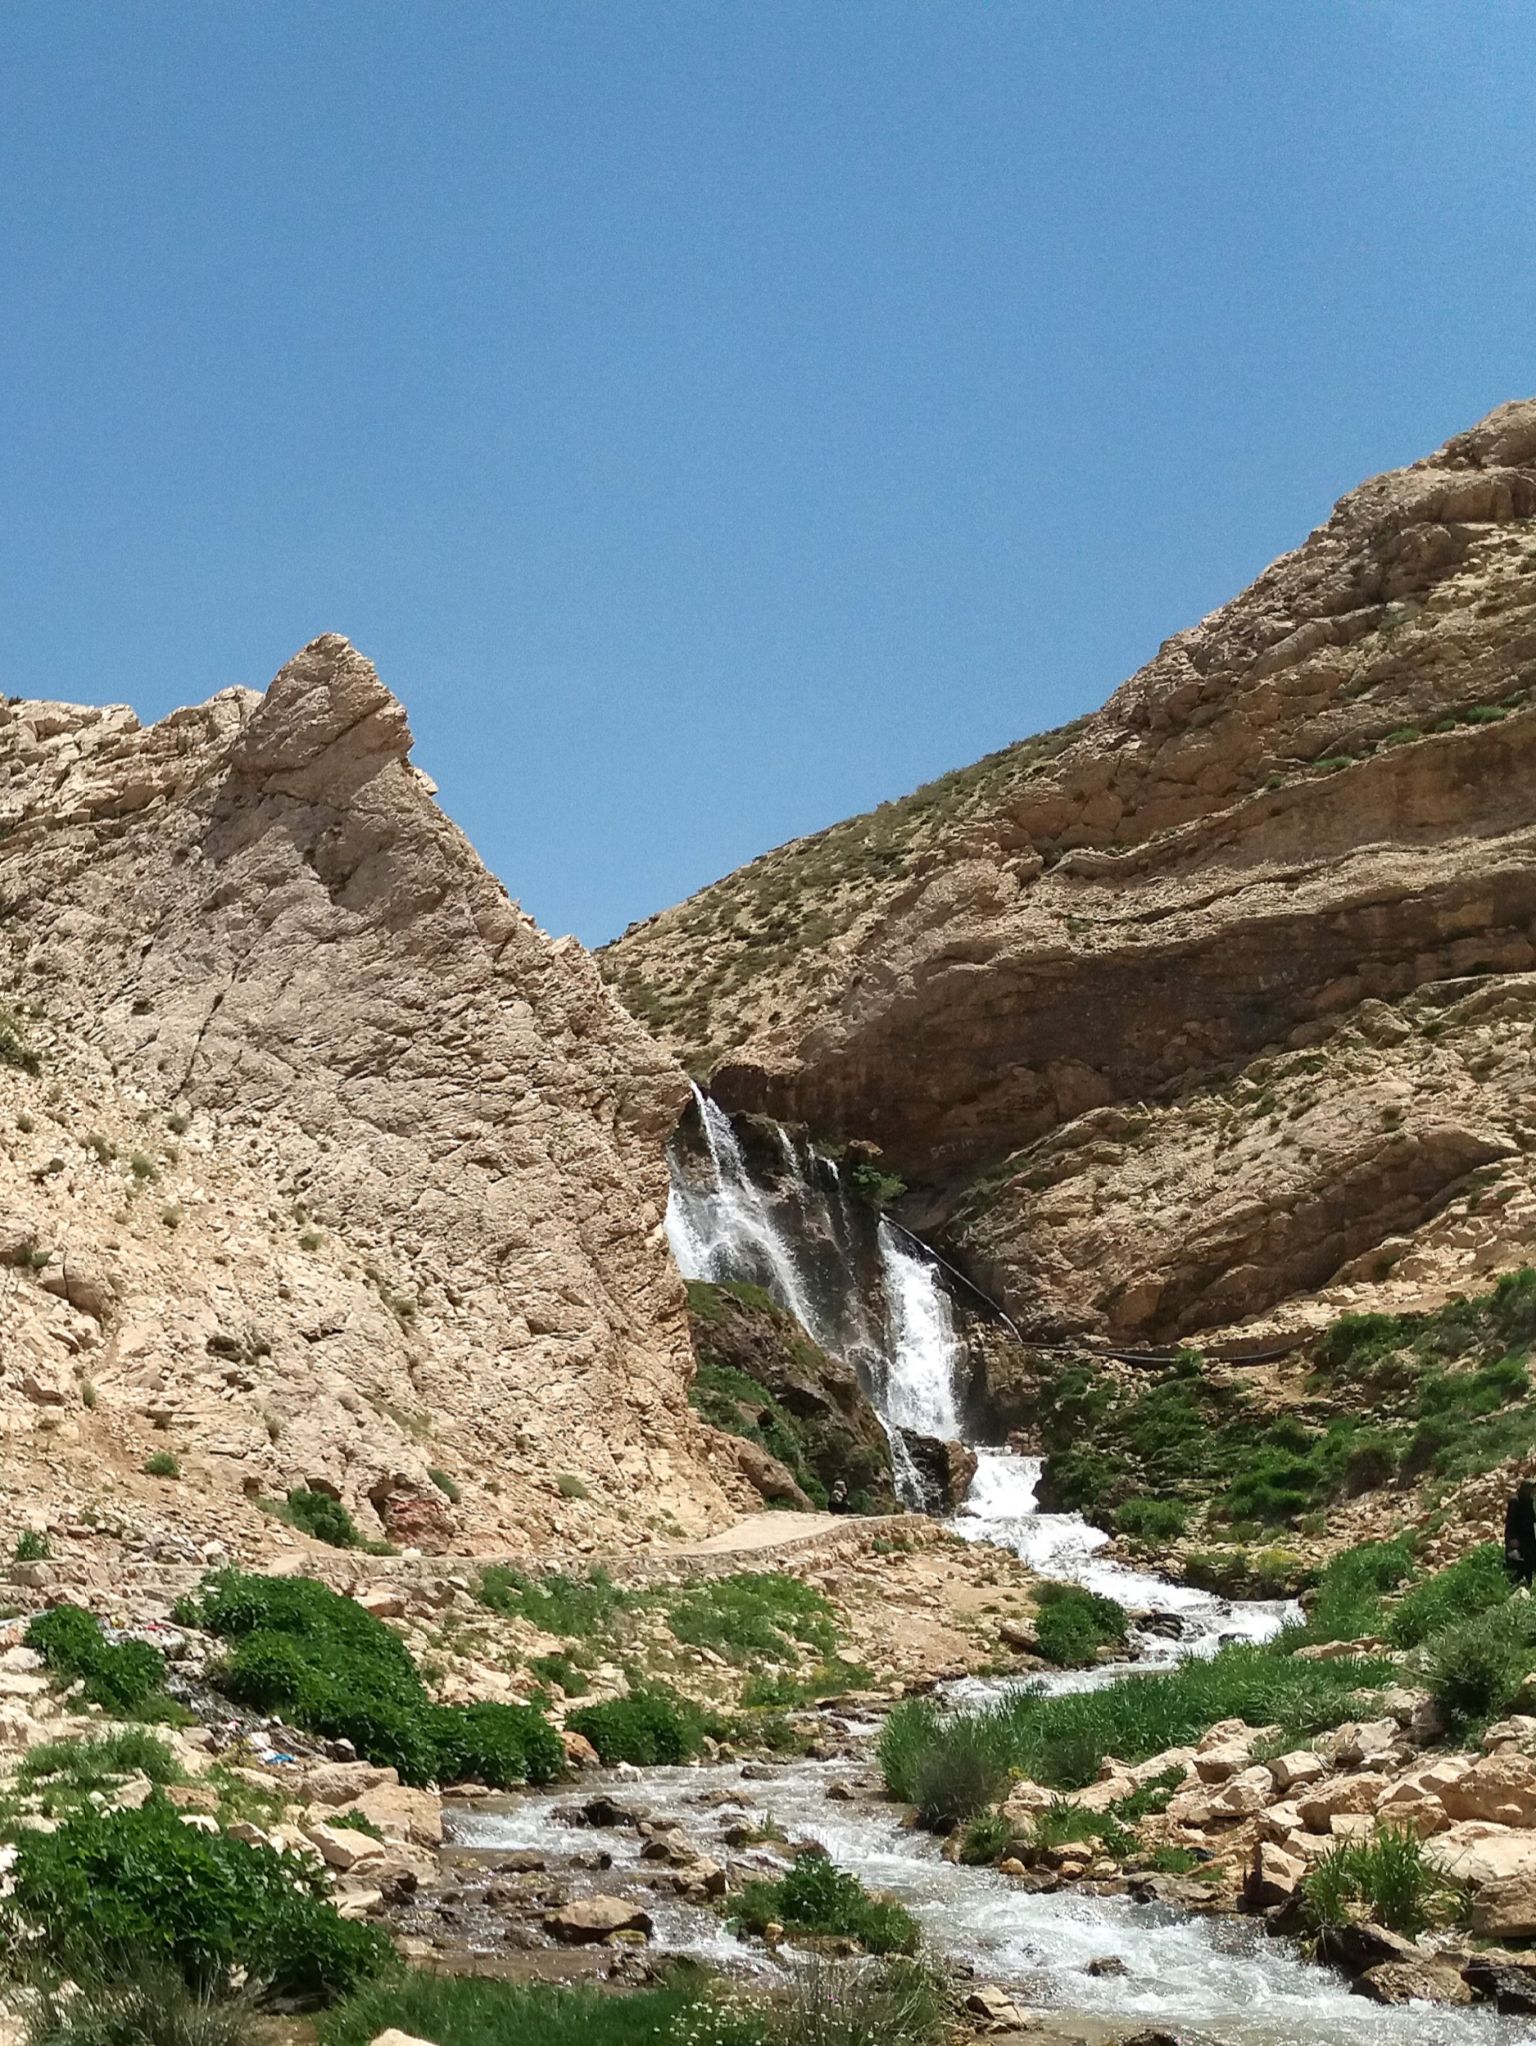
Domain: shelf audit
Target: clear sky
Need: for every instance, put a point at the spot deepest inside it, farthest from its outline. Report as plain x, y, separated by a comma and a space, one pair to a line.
715, 416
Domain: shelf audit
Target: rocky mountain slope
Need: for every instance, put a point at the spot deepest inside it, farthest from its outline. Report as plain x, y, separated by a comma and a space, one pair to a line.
1219, 998
320, 1165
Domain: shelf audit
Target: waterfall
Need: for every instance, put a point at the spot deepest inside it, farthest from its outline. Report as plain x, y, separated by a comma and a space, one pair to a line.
865, 1295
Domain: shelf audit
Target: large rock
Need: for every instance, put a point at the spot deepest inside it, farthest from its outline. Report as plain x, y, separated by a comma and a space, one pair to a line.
1417, 1981
587, 1919
945, 1469
1480, 1852
1272, 1876
1323, 1802
1501, 1787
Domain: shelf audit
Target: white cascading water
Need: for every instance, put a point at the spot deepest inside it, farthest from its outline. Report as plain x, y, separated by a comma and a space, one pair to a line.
1213, 1979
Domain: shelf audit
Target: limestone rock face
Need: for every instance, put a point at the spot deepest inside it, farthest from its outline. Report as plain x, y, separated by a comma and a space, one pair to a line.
1212, 999
319, 1162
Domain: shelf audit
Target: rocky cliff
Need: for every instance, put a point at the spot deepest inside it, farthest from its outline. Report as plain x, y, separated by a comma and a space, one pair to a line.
320, 1165
1217, 998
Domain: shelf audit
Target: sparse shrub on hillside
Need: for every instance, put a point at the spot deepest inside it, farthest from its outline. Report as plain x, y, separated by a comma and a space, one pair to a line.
754, 1614
31, 1547
318, 1514
570, 1486
559, 1669
577, 1607
1475, 1670
445, 1484
1473, 1584
161, 1464
14, 1048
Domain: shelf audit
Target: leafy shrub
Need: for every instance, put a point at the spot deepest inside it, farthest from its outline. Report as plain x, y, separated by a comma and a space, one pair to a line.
650, 1727
320, 1660
318, 1514
559, 1669
1471, 1585
818, 1897
113, 1893
987, 1837
31, 1547
1151, 1520
570, 1486
1072, 1625
1388, 1872
124, 1677
161, 1465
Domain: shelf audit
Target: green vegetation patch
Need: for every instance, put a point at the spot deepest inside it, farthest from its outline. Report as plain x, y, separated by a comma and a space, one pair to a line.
576, 1607
462, 2010
1072, 1625
651, 1726
1063, 1741
125, 1678
818, 1897
754, 1614
1386, 1877
304, 1651
113, 1895
1392, 1399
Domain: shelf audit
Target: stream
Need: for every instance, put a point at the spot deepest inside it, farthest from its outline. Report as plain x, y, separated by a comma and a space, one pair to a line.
873, 1299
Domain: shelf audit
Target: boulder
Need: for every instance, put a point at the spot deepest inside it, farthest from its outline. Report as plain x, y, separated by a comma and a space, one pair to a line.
996, 2007
1509, 1985
341, 1847
1417, 1981
1506, 1908
1481, 1853
1272, 1876
945, 1468
1296, 1770
587, 1919
1215, 1765
1242, 1795
1501, 1787
1322, 1804
1518, 1731
341, 1782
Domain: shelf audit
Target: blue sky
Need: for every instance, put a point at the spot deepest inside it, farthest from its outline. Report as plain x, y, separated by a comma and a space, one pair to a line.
715, 418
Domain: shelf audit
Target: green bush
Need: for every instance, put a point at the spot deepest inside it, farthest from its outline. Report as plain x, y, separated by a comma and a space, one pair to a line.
987, 1837
950, 1768
1474, 1671
126, 1678
818, 1897
62, 1774
161, 1465
111, 1894
1151, 1520
304, 1651
650, 1727
1390, 1874
559, 1669
1472, 1585
318, 1514
31, 1547
1072, 1625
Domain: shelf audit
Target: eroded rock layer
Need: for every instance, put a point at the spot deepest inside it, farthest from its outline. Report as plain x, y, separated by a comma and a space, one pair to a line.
1049, 985
319, 1163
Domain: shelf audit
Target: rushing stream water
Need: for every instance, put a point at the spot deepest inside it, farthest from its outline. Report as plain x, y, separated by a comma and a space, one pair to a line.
1220, 1977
